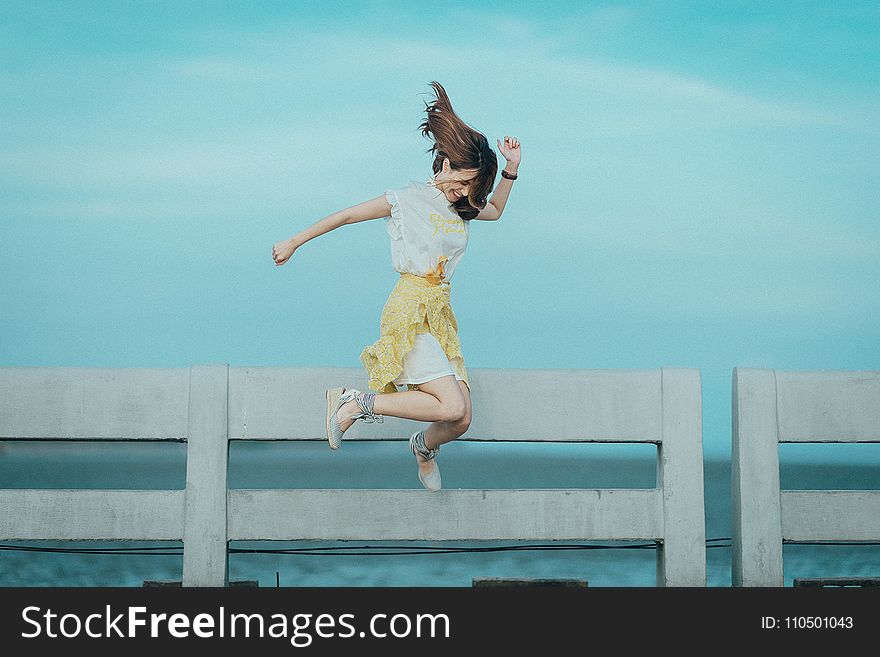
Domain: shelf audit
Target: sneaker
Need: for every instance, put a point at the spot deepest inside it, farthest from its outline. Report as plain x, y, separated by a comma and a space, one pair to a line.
336, 398
431, 482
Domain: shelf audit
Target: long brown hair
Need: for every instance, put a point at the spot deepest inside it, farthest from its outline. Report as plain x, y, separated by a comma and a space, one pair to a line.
466, 149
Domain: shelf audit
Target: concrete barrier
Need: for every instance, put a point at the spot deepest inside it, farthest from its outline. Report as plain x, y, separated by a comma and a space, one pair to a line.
208, 405
771, 407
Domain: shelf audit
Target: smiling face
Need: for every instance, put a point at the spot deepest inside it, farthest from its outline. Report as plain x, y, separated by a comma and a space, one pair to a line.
454, 183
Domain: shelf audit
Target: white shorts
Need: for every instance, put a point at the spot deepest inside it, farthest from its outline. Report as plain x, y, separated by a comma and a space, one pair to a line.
426, 361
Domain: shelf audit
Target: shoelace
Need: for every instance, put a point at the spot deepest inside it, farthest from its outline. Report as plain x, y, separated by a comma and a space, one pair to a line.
417, 444
365, 403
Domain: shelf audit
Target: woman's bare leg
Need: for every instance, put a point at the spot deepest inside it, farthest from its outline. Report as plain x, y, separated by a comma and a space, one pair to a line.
444, 431
440, 400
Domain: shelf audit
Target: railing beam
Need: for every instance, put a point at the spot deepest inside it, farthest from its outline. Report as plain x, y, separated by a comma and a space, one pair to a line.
756, 546
681, 557
204, 535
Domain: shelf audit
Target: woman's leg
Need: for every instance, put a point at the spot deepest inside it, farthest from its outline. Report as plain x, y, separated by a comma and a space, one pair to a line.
441, 432
440, 400
444, 431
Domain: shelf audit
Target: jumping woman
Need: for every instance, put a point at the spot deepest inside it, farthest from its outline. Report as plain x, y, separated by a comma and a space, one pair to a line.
416, 367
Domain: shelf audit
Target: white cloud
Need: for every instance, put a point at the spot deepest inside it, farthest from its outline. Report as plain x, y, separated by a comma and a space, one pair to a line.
352, 95
228, 69
248, 155
535, 67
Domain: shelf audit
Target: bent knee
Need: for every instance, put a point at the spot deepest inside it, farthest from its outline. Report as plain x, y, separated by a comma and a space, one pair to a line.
455, 411
461, 425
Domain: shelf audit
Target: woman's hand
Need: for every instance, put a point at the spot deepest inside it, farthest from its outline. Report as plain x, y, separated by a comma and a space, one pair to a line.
282, 251
510, 150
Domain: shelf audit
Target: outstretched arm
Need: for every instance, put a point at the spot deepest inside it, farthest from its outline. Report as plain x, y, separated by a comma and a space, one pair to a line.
372, 209
510, 149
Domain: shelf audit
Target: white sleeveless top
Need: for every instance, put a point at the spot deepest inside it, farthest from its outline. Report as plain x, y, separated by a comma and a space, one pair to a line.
423, 227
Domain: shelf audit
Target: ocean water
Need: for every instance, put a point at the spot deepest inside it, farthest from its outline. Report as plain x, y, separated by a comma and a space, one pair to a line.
150, 465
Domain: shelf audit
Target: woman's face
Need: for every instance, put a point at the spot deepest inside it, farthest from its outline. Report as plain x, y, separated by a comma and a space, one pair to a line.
454, 183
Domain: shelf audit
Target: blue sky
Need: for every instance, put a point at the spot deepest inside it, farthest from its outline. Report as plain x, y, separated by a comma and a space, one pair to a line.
698, 186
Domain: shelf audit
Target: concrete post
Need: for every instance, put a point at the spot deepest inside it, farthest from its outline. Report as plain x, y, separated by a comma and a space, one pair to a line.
204, 532
756, 549
681, 559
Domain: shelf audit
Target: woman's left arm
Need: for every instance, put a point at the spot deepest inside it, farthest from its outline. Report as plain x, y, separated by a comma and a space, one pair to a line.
511, 151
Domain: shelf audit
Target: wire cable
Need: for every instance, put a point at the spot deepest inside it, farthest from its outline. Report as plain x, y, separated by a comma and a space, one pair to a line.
393, 550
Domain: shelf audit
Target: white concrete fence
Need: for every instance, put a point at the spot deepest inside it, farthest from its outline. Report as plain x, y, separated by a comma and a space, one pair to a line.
772, 407
209, 405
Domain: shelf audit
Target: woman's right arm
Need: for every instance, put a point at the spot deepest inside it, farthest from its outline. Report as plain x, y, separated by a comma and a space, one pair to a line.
373, 209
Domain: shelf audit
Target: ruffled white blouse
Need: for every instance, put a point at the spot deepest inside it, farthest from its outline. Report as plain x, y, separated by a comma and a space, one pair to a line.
424, 228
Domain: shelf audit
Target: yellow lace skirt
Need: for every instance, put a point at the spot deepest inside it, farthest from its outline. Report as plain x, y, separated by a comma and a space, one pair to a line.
415, 305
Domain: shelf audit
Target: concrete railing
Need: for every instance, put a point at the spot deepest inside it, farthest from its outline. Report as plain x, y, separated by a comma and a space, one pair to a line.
209, 405
772, 407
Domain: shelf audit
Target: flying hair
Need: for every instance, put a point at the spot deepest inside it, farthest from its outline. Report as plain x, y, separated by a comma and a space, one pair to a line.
465, 147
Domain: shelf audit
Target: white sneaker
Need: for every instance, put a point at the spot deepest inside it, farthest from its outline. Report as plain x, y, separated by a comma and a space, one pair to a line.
336, 398
431, 482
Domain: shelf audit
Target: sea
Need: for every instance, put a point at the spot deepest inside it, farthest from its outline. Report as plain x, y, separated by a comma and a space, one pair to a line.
465, 465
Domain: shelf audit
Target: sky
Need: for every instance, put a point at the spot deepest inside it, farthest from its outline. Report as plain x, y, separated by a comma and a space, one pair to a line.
698, 185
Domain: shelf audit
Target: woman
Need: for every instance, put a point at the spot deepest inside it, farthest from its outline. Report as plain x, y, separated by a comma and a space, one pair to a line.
416, 366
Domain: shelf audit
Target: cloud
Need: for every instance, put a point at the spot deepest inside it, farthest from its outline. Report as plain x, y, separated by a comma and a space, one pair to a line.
336, 101
229, 69
292, 146
539, 64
